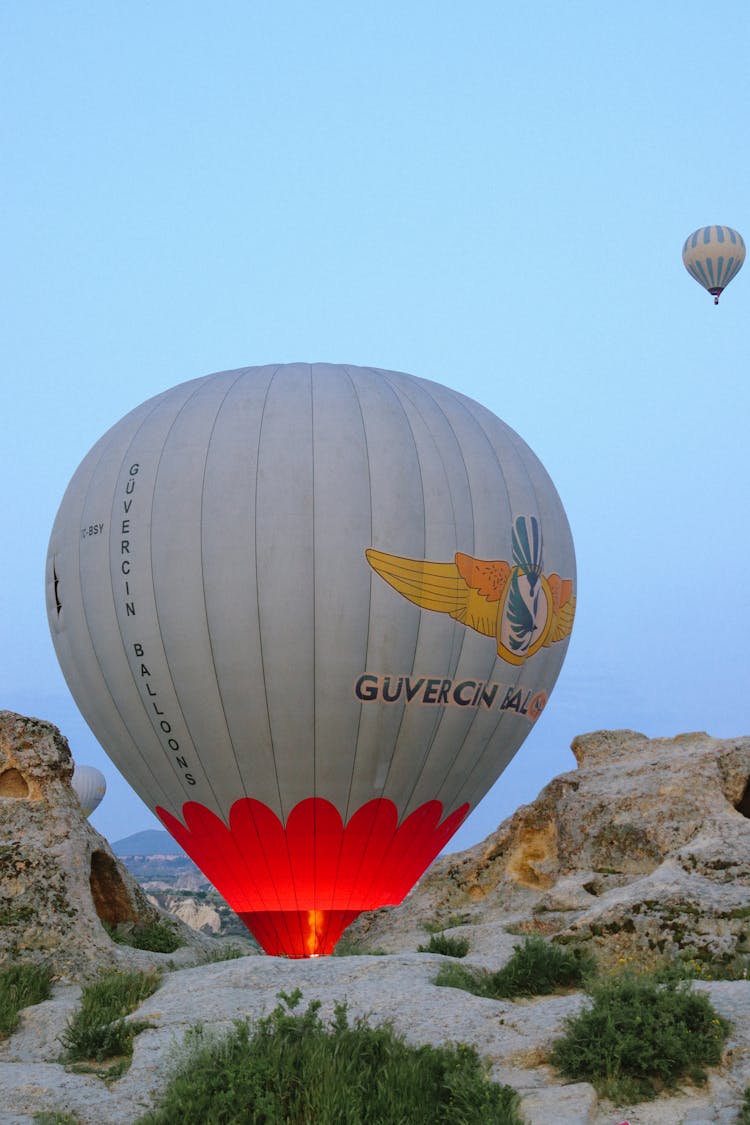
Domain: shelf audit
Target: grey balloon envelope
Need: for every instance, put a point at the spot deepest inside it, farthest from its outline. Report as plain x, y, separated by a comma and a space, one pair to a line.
258, 591
89, 785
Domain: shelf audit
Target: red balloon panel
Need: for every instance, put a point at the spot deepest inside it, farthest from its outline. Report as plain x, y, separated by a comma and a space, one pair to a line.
297, 887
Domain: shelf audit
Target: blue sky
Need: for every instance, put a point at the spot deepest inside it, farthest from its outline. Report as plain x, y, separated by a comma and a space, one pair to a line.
494, 196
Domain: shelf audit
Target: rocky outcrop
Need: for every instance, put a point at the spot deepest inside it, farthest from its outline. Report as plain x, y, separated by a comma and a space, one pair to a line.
196, 914
60, 882
642, 852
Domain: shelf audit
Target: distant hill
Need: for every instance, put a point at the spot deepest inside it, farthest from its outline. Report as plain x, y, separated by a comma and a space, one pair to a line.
172, 881
151, 842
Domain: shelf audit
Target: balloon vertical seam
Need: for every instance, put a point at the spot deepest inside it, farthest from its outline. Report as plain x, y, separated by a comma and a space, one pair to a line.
217, 679
352, 773
284, 811
463, 632
377, 376
395, 393
314, 621
488, 738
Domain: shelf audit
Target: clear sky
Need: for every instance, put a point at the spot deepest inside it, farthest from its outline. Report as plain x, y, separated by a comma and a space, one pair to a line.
490, 195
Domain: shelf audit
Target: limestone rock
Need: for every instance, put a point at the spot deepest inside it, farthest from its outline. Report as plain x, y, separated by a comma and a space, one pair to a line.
643, 850
59, 879
198, 915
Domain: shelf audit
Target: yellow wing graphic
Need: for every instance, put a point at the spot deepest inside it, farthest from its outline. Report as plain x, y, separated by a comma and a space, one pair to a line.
563, 608
468, 589
472, 591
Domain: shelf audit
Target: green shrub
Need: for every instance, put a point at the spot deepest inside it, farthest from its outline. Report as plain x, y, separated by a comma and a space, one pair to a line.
293, 1068
435, 927
744, 1117
477, 981
52, 1117
155, 937
97, 1030
696, 966
536, 968
354, 947
20, 987
448, 946
638, 1036
223, 953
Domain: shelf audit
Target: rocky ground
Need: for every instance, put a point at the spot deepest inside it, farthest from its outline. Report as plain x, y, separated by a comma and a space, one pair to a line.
514, 1037
641, 854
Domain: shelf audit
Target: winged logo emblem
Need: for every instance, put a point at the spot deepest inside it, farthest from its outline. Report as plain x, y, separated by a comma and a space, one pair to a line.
518, 605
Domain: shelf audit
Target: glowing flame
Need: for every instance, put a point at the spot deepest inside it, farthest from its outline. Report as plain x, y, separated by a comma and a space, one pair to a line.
315, 936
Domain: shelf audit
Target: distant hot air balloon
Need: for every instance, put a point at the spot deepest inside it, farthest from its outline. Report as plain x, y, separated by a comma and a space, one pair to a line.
90, 786
311, 612
713, 256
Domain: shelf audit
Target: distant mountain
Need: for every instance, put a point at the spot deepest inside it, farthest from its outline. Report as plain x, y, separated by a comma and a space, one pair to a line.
151, 842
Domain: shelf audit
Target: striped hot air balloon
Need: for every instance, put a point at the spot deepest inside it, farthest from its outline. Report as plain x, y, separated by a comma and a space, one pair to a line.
311, 611
713, 256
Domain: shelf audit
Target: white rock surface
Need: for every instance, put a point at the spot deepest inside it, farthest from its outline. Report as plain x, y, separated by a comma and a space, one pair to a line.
514, 1037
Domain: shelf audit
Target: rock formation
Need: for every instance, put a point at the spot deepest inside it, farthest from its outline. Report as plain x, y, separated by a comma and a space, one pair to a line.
60, 882
642, 852
198, 915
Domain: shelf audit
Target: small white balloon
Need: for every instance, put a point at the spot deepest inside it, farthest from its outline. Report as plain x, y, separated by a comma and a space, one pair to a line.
90, 786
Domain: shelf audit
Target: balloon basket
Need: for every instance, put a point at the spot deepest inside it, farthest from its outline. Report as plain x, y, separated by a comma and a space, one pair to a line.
298, 933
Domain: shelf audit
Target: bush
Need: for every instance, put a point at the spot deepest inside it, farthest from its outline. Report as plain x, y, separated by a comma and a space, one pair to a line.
354, 947
448, 946
731, 966
435, 927
155, 937
20, 987
535, 969
295, 1069
639, 1036
47, 1117
98, 1031
744, 1117
223, 953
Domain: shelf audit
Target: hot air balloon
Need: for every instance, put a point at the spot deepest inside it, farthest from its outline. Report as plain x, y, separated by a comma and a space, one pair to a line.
311, 611
90, 785
713, 256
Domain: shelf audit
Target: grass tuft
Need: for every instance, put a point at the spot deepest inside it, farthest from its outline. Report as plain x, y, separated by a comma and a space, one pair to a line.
744, 1117
639, 1036
355, 947
696, 966
52, 1117
536, 968
155, 937
448, 946
97, 1031
20, 987
294, 1068
223, 953
435, 927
